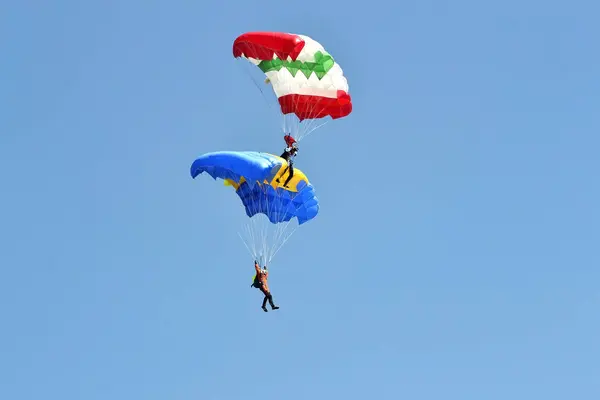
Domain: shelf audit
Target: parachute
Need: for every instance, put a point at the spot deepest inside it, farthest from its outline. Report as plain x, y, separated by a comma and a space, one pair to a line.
270, 207
309, 85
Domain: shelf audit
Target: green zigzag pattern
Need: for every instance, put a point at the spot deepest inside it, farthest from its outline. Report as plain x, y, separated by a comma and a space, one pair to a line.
322, 64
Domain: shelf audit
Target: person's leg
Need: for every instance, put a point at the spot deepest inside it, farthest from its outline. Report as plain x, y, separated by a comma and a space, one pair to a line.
290, 176
273, 306
281, 174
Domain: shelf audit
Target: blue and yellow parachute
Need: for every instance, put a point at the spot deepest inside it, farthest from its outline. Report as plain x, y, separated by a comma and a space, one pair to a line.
253, 176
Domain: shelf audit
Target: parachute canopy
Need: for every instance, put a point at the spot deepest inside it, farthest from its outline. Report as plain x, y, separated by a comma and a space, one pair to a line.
304, 76
253, 176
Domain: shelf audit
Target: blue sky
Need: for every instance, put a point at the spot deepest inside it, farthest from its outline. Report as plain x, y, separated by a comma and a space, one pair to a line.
455, 255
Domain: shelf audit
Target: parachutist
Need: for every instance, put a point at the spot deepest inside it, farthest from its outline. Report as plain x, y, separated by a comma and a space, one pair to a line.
260, 282
288, 155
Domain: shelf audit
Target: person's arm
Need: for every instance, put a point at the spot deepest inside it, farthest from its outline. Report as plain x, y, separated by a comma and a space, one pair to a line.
256, 267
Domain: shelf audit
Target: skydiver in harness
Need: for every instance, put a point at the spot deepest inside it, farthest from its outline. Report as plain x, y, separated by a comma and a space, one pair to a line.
260, 282
288, 155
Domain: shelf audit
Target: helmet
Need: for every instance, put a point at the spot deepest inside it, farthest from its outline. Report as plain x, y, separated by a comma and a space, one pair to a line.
264, 271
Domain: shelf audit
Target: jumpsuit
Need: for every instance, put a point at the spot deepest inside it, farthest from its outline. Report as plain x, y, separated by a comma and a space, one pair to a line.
264, 287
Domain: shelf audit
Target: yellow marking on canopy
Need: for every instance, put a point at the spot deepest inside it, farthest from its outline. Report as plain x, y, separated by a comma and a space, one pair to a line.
282, 174
231, 182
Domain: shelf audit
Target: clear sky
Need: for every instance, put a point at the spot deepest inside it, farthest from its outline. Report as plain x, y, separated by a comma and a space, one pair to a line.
455, 256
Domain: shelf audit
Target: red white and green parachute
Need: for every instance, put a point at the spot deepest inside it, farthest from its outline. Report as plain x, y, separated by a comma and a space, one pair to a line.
308, 83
